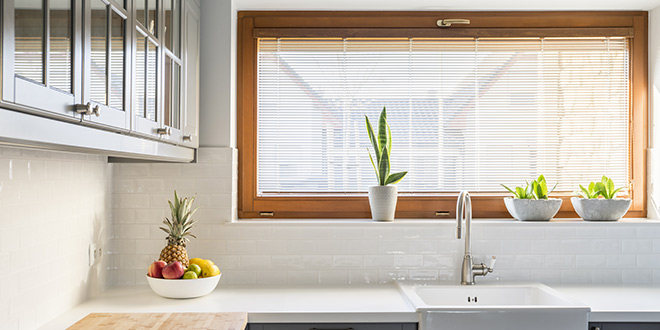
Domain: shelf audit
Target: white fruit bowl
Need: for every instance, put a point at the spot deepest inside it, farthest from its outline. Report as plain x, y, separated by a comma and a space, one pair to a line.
181, 288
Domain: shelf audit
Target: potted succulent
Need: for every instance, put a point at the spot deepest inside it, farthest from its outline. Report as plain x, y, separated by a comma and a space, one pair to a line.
598, 201
383, 197
531, 203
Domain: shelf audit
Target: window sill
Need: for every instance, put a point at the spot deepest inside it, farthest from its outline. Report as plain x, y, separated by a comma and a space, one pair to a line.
567, 222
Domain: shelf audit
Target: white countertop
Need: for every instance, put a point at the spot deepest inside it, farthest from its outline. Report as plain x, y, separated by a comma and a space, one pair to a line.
356, 304
264, 304
618, 303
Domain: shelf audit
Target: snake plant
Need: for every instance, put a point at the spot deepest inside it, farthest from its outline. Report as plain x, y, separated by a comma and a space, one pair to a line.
382, 145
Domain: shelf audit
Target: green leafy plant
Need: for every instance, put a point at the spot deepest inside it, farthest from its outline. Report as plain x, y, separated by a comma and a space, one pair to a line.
606, 188
590, 192
537, 189
382, 145
603, 188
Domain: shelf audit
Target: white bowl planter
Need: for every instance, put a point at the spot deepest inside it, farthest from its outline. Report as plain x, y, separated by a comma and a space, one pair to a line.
183, 288
532, 209
601, 209
382, 200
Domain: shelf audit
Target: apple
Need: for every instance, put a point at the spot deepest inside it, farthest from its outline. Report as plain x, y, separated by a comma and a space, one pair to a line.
173, 270
156, 269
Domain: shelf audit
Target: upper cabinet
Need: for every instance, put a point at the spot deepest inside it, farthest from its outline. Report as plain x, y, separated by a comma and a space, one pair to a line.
107, 59
41, 55
125, 66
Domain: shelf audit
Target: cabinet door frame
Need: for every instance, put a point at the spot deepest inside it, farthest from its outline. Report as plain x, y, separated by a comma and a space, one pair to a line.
109, 116
37, 97
191, 28
176, 134
140, 125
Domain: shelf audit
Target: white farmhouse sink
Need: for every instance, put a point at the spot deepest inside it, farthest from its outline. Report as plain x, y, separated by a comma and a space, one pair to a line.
494, 306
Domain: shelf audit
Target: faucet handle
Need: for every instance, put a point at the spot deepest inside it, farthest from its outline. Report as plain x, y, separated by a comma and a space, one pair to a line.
493, 259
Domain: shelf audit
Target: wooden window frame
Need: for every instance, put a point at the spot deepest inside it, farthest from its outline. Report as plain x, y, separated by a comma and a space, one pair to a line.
255, 24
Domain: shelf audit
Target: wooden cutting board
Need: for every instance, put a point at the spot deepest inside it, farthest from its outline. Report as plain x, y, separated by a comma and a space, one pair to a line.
140, 321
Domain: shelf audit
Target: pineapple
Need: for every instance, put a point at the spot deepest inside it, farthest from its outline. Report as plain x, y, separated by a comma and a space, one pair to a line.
177, 229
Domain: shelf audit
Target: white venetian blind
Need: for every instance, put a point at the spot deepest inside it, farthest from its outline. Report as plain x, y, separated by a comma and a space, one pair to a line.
464, 113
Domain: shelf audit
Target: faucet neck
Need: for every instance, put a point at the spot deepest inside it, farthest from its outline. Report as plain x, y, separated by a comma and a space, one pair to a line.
464, 213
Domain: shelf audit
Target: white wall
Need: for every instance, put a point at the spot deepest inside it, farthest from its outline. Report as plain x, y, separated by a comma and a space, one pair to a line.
52, 206
217, 124
360, 252
653, 167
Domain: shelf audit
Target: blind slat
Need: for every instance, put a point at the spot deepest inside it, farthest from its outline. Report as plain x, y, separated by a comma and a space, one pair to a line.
465, 114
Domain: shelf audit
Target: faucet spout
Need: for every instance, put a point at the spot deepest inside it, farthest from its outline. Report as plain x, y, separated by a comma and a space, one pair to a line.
464, 214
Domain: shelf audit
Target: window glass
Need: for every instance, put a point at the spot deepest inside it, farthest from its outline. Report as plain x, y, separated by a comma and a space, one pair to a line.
60, 45
117, 31
151, 82
140, 75
99, 52
29, 39
465, 114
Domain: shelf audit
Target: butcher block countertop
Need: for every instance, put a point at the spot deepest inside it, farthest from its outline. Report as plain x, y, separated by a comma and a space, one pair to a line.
196, 321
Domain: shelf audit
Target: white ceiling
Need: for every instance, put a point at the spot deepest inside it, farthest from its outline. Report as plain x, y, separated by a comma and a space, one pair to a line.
469, 5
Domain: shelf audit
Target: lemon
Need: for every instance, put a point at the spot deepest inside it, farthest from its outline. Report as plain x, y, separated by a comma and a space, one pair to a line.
195, 261
207, 268
216, 270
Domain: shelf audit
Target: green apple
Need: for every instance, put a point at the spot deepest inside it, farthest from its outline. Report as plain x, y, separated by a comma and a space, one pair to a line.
194, 268
189, 275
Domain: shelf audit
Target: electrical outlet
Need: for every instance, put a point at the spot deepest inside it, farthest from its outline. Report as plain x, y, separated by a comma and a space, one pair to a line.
93, 253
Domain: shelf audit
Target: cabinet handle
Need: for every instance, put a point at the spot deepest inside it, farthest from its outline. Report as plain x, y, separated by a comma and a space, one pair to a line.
96, 111
331, 329
84, 109
187, 137
164, 131
595, 328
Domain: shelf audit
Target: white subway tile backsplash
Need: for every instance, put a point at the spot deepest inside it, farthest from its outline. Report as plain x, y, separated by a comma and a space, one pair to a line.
588, 261
621, 261
636, 275
347, 262
575, 246
362, 276
49, 217
635, 245
355, 253
409, 261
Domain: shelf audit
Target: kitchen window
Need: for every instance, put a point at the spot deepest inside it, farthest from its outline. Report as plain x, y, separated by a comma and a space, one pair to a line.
500, 100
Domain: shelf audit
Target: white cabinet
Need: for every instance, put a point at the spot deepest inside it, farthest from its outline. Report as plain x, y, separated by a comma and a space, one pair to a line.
121, 66
107, 61
191, 81
41, 55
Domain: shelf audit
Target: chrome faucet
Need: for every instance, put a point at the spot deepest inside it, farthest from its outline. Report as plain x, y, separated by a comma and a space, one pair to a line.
469, 270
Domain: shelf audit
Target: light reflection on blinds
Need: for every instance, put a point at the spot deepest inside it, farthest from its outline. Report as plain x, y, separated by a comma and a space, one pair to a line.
28, 40
140, 74
99, 64
60, 45
117, 30
151, 81
464, 113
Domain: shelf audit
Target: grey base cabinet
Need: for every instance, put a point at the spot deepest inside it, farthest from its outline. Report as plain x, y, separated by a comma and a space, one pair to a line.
624, 326
332, 326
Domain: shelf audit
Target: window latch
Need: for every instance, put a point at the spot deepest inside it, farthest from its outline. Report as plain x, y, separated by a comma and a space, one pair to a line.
447, 22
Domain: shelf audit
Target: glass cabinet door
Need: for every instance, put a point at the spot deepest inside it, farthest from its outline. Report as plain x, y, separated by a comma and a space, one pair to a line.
106, 63
172, 70
41, 54
146, 80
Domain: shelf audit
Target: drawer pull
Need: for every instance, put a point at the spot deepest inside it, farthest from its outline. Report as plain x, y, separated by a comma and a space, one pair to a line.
331, 329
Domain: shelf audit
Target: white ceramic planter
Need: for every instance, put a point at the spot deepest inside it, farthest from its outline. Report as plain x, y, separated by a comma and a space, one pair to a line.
601, 209
532, 209
382, 200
